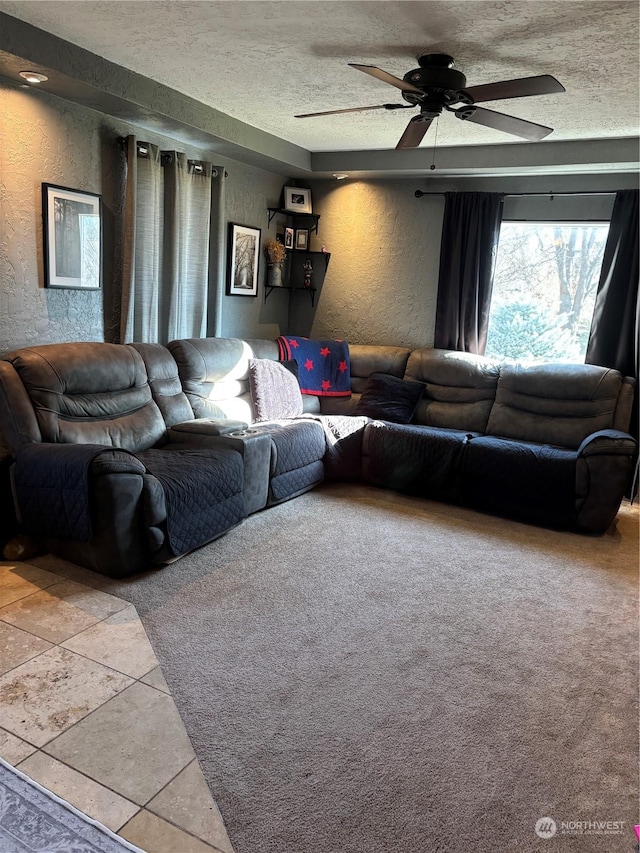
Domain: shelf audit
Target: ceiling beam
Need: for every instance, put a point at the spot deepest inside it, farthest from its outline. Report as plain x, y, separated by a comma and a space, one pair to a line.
586, 156
91, 81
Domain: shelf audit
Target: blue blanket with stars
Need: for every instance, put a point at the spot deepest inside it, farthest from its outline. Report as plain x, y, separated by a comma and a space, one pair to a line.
323, 366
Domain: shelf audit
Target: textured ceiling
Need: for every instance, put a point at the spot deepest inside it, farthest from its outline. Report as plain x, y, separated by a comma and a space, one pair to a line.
262, 62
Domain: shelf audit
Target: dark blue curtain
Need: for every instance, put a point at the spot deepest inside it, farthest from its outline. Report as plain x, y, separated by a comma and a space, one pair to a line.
468, 249
613, 341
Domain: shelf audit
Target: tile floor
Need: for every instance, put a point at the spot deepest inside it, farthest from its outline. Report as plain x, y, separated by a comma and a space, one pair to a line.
86, 712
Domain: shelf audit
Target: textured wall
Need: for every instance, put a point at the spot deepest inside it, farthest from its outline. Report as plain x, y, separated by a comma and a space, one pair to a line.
248, 194
44, 139
381, 284
382, 280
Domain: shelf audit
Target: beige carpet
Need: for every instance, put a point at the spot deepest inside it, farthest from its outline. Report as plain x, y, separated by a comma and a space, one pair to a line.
362, 672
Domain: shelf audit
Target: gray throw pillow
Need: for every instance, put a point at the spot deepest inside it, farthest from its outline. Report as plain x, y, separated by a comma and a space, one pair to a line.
275, 391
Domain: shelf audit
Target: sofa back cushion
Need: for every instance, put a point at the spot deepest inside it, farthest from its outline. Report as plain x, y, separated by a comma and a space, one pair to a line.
89, 393
215, 375
460, 388
164, 381
559, 404
364, 360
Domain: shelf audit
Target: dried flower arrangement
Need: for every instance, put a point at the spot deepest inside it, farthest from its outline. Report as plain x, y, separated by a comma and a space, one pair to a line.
275, 251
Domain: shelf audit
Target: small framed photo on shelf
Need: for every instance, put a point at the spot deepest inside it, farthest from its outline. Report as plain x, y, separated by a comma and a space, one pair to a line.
72, 229
297, 200
242, 260
288, 238
302, 239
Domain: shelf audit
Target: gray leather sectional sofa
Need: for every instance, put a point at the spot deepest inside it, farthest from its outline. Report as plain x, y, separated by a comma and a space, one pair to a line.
129, 456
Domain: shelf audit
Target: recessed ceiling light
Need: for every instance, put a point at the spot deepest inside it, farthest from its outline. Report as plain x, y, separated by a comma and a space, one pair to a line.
33, 76
340, 176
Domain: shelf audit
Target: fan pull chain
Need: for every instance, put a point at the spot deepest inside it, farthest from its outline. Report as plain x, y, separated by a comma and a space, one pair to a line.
435, 140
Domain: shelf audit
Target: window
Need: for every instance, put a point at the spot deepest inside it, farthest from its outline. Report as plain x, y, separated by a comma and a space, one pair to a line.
544, 290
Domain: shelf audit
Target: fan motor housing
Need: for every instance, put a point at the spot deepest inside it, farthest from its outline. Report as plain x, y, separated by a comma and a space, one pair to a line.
440, 81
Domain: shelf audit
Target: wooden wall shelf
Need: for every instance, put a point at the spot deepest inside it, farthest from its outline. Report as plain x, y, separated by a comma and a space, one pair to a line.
311, 219
295, 273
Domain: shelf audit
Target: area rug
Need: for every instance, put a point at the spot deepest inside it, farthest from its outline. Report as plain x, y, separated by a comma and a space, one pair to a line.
362, 672
33, 820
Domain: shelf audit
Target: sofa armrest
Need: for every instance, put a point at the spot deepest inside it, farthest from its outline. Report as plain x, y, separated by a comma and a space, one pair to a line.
115, 461
603, 466
204, 426
52, 490
108, 516
17, 419
607, 442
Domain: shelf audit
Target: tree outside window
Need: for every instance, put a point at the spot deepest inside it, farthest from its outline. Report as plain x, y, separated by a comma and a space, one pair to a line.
544, 290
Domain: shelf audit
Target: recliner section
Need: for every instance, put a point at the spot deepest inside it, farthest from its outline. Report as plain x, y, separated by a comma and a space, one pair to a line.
85, 414
542, 443
214, 373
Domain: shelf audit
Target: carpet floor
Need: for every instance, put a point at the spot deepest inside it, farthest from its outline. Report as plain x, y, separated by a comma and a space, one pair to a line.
363, 672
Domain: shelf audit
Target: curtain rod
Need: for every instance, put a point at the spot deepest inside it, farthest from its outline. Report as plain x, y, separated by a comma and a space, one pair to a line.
142, 149
550, 193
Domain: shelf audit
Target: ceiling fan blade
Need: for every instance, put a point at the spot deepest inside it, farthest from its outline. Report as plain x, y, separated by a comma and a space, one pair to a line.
353, 110
501, 121
379, 74
523, 87
414, 132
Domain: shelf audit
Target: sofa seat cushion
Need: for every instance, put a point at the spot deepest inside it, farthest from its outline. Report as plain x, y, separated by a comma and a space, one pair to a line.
295, 443
389, 398
297, 451
290, 484
531, 482
343, 445
411, 458
202, 490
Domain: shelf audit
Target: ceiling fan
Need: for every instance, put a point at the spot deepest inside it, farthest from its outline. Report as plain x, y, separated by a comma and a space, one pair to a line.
437, 86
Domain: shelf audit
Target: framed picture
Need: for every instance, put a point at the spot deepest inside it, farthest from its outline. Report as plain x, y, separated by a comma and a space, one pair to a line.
302, 238
242, 260
297, 200
288, 238
72, 229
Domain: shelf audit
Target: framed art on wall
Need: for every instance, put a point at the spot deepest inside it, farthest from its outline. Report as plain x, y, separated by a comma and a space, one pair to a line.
288, 238
242, 260
297, 200
302, 238
72, 229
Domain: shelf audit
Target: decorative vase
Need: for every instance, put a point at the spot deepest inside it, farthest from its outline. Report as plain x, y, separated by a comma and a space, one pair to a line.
274, 275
